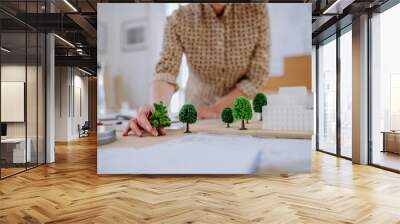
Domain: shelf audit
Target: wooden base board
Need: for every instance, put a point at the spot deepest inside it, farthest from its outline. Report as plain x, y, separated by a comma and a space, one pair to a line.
254, 128
206, 126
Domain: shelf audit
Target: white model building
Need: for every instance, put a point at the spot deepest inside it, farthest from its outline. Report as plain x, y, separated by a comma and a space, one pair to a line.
291, 109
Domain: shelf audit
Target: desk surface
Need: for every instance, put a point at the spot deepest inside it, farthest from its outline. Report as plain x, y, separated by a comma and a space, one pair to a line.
13, 140
391, 132
206, 126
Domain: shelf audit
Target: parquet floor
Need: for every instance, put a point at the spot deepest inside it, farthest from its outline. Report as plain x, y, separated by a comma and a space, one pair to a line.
70, 191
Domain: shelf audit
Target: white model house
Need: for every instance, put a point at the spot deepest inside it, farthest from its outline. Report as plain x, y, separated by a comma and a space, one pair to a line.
291, 109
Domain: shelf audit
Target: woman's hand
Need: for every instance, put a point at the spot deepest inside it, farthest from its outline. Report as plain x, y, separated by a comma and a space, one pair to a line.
140, 124
207, 112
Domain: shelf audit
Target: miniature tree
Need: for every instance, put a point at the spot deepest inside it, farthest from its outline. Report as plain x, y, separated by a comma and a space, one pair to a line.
242, 110
188, 115
259, 101
227, 116
159, 118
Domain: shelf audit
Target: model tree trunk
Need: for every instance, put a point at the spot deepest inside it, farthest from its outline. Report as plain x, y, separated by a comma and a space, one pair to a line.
247, 121
187, 128
261, 116
227, 125
243, 127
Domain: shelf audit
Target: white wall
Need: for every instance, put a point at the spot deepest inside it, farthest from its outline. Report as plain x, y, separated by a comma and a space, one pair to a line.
290, 25
61, 103
80, 83
67, 116
17, 73
129, 73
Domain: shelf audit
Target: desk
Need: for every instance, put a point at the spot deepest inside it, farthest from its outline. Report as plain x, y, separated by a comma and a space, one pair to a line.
13, 150
391, 141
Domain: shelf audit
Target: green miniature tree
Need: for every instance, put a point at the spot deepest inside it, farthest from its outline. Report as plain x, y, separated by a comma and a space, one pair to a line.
259, 101
227, 116
188, 115
159, 118
242, 110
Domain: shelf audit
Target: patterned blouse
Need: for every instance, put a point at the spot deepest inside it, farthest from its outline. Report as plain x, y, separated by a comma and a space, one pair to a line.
222, 52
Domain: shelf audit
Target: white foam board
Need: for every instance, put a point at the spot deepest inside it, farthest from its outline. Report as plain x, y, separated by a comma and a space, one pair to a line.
209, 154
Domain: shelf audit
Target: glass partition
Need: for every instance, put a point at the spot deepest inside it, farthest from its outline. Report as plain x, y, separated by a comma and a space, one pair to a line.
22, 88
13, 114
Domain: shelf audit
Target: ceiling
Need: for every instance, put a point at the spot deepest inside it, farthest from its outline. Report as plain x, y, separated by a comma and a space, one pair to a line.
73, 20
76, 21
330, 15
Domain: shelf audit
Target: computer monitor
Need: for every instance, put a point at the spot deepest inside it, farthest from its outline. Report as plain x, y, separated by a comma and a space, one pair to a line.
3, 129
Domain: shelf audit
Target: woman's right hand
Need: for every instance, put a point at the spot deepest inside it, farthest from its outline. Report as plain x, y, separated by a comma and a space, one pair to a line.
204, 112
140, 124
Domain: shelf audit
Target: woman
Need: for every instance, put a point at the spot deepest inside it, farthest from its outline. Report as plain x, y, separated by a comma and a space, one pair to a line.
227, 51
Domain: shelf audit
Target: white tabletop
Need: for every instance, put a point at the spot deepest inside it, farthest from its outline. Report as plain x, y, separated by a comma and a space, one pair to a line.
14, 140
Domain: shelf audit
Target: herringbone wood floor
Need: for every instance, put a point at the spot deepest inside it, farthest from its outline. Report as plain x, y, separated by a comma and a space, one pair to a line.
70, 191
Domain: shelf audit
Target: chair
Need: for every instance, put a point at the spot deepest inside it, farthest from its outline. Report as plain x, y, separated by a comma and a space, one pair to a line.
84, 130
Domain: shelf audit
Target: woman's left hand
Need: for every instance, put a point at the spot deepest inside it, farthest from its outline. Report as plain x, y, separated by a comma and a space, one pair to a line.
204, 112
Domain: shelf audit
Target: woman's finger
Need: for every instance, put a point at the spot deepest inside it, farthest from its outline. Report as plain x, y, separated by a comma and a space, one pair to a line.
134, 127
161, 131
145, 124
126, 131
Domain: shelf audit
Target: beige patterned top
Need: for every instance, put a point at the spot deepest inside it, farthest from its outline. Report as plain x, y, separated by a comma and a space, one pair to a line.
222, 52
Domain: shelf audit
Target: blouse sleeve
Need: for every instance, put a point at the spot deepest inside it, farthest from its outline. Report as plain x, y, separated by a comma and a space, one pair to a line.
259, 64
167, 69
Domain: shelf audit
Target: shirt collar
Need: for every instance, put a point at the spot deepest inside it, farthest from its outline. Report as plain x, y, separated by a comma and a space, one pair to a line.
209, 10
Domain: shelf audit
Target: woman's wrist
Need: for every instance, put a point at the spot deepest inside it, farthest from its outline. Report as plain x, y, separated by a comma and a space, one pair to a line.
216, 108
227, 100
161, 91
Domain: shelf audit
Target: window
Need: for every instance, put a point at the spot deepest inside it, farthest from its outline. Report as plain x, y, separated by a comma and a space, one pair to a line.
394, 101
327, 96
346, 93
385, 89
333, 137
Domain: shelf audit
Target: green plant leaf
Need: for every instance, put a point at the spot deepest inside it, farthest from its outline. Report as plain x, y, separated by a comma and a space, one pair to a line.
227, 115
242, 109
188, 114
159, 118
259, 101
